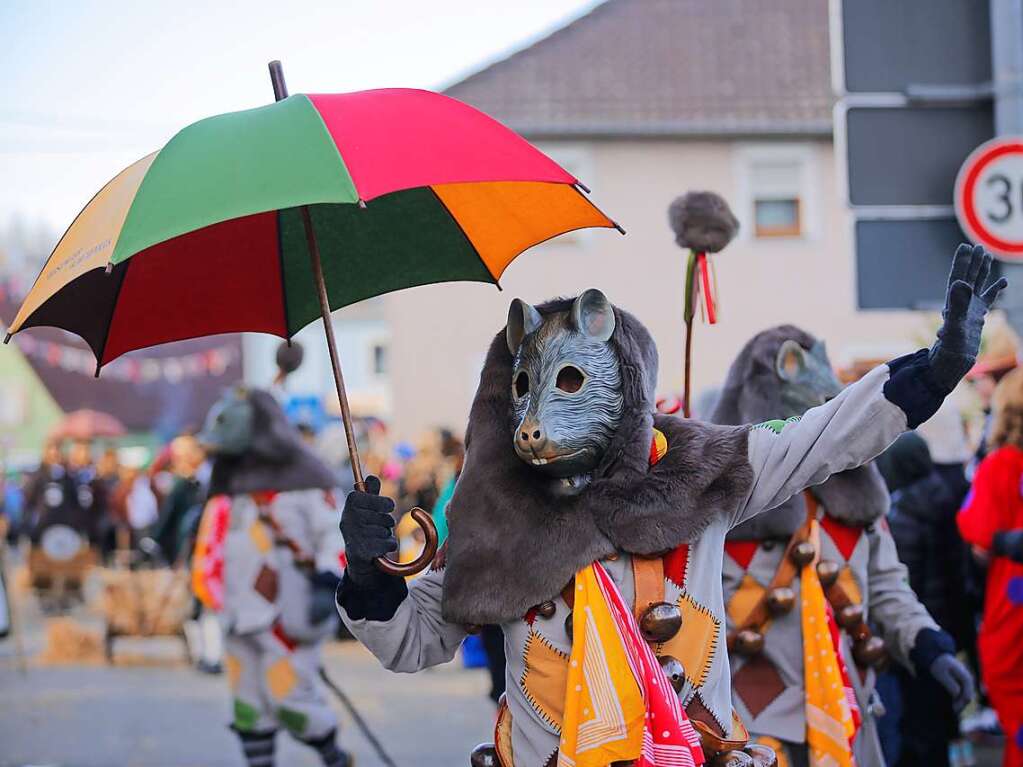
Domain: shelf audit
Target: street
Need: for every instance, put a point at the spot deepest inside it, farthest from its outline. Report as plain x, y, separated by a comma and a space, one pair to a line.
152, 709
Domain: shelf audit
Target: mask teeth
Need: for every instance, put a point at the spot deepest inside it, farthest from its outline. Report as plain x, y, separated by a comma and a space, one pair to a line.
539, 461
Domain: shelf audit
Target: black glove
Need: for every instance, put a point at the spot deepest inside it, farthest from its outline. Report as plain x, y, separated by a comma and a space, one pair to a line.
952, 675
933, 654
368, 530
1009, 543
967, 301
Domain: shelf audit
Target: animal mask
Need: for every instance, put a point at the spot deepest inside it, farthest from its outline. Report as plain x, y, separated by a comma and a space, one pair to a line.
566, 385
228, 427
256, 448
806, 379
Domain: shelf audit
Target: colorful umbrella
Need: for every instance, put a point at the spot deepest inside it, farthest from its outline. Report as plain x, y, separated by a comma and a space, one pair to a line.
264, 220
86, 425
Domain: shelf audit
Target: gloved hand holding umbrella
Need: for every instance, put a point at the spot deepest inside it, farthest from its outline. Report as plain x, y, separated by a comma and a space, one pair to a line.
266, 219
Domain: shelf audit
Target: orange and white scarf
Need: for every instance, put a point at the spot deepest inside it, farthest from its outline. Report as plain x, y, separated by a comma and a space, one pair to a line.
619, 705
832, 716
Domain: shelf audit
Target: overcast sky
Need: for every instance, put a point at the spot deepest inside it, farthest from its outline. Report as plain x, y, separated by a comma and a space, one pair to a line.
89, 87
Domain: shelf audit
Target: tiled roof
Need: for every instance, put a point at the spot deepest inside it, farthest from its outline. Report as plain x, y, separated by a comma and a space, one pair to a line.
668, 67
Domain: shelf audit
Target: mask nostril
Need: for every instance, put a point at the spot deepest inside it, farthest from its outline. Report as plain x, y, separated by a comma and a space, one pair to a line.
525, 436
536, 434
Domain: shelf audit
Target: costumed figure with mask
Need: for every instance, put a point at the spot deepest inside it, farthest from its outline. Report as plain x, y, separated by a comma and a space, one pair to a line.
804, 584
267, 559
592, 530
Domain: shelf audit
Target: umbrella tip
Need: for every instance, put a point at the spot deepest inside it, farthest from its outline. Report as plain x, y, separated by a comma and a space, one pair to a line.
582, 187
618, 226
362, 204
109, 267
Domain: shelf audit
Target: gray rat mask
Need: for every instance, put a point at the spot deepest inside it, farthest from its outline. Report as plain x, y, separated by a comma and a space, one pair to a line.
805, 378
229, 425
566, 385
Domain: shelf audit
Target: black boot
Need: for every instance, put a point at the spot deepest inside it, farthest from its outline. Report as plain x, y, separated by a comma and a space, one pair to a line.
329, 752
258, 747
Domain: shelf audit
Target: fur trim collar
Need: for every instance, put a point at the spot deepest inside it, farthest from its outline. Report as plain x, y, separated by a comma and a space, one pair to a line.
512, 543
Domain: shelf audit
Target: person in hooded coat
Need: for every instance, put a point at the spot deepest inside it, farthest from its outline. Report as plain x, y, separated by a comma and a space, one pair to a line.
267, 529
549, 554
922, 520
783, 372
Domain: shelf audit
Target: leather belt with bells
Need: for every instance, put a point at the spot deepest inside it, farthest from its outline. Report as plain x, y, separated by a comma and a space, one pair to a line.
748, 638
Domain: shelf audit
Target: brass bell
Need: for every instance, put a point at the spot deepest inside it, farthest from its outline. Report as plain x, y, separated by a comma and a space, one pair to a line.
660, 622
732, 759
763, 756
870, 651
672, 668
484, 755
828, 572
803, 553
569, 626
749, 642
850, 616
859, 632
546, 609
781, 600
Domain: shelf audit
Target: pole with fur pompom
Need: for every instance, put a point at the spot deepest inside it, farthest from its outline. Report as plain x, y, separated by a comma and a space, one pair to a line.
704, 224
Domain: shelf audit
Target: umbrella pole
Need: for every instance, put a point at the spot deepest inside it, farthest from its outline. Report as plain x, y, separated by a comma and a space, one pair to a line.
422, 518
328, 327
281, 92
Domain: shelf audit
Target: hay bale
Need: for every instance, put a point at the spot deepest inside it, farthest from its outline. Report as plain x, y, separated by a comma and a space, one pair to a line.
146, 602
69, 642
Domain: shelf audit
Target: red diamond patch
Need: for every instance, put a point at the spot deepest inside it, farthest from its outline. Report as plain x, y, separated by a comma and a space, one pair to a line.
844, 536
675, 564
742, 551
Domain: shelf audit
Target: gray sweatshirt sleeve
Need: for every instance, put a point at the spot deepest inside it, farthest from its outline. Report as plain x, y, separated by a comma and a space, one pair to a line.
789, 456
416, 636
893, 606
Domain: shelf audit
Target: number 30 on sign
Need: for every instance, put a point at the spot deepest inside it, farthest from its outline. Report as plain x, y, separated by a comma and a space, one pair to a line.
989, 196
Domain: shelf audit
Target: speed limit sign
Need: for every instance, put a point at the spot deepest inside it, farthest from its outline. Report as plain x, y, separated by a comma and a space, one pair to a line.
989, 196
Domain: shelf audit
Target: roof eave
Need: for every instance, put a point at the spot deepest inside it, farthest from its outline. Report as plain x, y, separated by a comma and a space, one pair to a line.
812, 129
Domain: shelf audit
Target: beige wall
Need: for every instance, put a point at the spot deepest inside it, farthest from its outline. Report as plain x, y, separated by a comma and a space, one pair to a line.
439, 333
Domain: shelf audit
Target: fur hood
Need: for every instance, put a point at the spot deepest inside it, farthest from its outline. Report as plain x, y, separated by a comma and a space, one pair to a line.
513, 544
752, 394
277, 459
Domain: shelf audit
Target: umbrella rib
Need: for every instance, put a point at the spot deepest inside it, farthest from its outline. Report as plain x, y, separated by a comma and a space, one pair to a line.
113, 310
495, 280
284, 289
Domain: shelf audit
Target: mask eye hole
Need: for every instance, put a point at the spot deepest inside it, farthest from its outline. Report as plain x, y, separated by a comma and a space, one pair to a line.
521, 384
570, 379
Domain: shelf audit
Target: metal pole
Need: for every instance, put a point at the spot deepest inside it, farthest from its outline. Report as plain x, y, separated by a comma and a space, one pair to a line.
1007, 81
328, 327
281, 92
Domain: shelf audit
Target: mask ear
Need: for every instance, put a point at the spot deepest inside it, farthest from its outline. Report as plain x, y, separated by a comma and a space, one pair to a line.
791, 360
523, 319
593, 316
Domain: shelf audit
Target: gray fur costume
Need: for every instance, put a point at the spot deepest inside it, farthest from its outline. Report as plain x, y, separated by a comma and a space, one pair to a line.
513, 543
281, 565
500, 516
751, 394
768, 688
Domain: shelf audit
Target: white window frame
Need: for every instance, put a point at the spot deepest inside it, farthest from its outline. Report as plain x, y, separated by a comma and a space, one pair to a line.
806, 157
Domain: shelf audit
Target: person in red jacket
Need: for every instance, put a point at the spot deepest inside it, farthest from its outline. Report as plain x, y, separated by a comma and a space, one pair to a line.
991, 520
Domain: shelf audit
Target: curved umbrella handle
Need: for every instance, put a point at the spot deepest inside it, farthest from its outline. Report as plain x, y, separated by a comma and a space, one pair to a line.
420, 563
